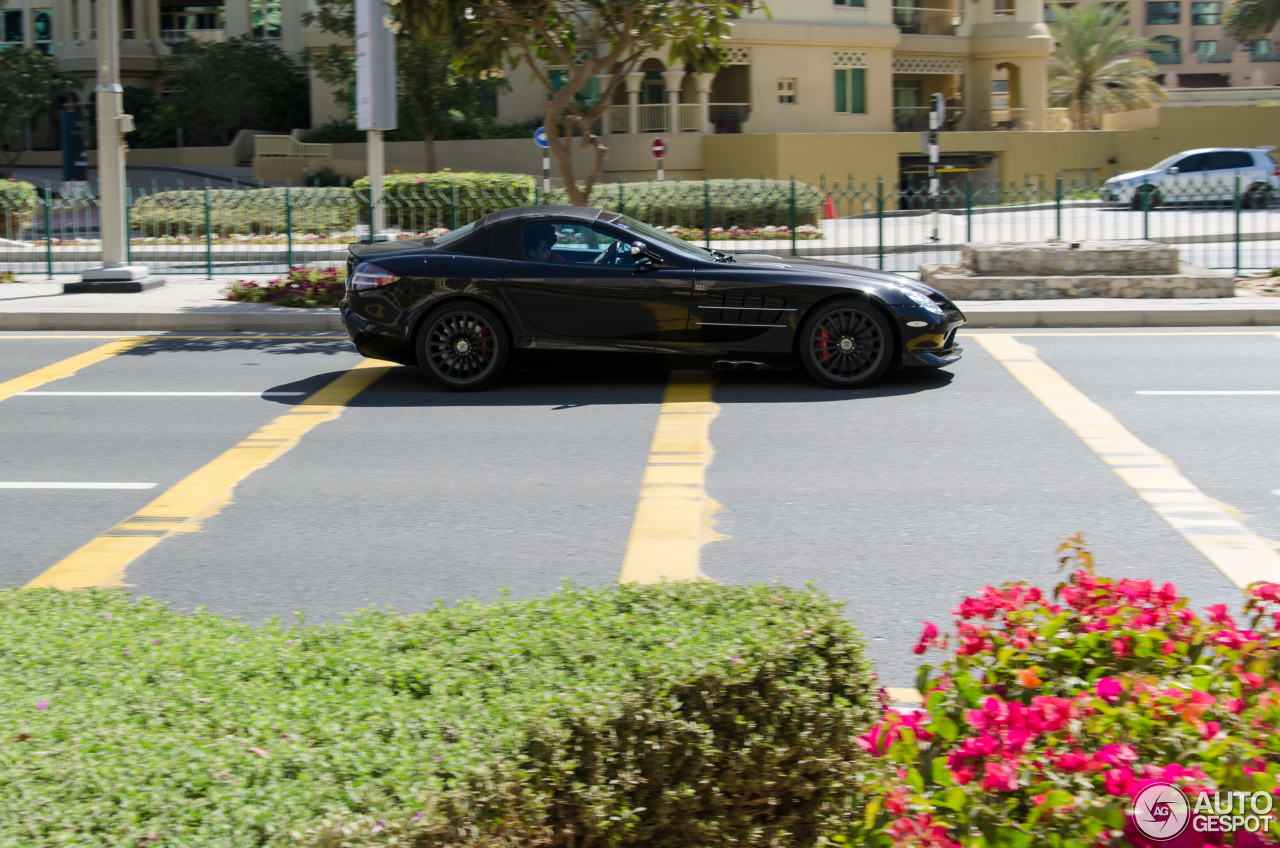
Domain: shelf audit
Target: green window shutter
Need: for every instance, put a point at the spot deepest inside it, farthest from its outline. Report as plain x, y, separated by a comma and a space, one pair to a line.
842, 91
858, 90
557, 78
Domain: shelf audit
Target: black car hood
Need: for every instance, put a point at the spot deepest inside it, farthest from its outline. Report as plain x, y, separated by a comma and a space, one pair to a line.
842, 269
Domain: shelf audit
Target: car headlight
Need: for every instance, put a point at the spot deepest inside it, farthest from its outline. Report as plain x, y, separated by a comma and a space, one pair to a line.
922, 301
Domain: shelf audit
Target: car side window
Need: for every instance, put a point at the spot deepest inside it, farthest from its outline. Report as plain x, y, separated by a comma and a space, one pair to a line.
1231, 160
1194, 164
571, 242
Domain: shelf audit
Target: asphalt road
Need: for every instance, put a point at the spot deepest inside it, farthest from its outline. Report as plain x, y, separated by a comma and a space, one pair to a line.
897, 500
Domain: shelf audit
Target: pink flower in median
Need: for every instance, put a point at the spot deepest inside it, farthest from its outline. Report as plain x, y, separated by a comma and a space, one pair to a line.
1266, 592
1218, 615
42, 705
1000, 777
1109, 689
1114, 755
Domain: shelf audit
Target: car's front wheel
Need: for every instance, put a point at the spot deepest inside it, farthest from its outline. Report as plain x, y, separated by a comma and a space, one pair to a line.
846, 344
462, 347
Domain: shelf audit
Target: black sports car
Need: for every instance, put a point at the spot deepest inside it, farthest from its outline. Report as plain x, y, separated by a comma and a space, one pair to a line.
565, 278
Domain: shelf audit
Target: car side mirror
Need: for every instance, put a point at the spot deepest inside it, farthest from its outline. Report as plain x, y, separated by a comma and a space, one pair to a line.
639, 249
1174, 169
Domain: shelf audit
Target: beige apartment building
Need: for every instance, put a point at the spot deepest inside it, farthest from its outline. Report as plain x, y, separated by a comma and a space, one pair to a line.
1197, 54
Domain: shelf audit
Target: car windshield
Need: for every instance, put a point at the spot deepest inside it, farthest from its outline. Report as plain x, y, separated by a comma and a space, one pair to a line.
653, 234
458, 233
1164, 163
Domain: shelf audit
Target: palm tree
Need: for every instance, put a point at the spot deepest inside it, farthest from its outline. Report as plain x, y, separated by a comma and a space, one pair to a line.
1250, 19
1099, 65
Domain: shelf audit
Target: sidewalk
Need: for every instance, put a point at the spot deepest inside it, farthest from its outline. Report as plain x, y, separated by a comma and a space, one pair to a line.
196, 304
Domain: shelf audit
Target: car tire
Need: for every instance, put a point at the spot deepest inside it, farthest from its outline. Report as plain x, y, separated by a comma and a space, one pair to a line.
846, 344
1257, 196
462, 347
1152, 195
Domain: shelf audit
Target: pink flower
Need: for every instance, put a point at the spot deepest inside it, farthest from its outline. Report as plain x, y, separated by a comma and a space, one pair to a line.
1235, 707
42, 705
999, 777
1117, 781
1074, 761
1266, 591
1218, 615
1109, 689
928, 638
1114, 755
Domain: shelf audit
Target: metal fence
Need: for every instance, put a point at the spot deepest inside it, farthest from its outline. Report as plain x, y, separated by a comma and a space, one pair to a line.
1226, 224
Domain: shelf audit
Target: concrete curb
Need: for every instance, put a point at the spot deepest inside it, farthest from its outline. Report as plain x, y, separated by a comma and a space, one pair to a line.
981, 317
302, 321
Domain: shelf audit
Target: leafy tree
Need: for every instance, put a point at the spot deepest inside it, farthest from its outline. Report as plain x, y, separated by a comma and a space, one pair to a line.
586, 38
432, 97
217, 89
1250, 19
30, 85
1099, 66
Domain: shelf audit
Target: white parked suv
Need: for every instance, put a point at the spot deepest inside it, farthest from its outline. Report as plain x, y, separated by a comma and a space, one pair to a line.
1205, 174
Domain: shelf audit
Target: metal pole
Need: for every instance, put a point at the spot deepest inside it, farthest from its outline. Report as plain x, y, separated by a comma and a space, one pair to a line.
1058, 202
48, 231
1238, 204
377, 167
706, 211
880, 218
208, 235
1146, 209
109, 95
793, 215
288, 229
453, 209
546, 170
935, 122
968, 206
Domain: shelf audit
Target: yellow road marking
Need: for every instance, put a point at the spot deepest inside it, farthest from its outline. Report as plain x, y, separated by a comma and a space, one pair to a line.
1239, 553
67, 367
102, 561
675, 516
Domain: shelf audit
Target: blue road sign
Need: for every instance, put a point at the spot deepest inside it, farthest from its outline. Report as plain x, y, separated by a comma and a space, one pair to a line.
540, 137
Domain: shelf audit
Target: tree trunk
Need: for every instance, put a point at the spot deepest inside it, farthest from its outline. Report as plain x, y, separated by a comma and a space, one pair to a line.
429, 145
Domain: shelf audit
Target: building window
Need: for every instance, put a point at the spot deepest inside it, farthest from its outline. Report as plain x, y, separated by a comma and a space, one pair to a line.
851, 90
11, 28
1117, 11
43, 31
1262, 45
178, 20
854, 4
266, 19
787, 90
1206, 48
1172, 52
1164, 13
1206, 14
1051, 11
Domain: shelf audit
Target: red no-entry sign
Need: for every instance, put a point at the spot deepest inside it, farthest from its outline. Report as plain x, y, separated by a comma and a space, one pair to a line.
659, 148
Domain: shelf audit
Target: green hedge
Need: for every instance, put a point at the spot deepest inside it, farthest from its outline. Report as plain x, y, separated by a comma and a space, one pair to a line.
18, 201
733, 203
421, 202
679, 715
245, 211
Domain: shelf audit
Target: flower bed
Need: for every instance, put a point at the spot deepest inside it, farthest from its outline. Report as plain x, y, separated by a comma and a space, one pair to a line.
303, 287
1050, 716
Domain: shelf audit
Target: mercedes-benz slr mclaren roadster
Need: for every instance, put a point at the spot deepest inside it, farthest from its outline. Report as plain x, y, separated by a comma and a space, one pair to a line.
564, 278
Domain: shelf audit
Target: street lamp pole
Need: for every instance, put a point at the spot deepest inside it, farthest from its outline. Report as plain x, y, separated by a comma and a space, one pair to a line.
113, 220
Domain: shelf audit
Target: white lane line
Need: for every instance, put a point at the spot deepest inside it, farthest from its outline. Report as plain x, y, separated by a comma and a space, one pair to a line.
162, 394
1260, 392
77, 485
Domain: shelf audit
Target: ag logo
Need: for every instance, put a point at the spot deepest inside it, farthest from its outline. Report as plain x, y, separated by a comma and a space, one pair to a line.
1160, 811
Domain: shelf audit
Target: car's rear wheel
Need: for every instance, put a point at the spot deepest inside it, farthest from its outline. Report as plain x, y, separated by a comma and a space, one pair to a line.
1257, 196
846, 344
462, 347
1146, 197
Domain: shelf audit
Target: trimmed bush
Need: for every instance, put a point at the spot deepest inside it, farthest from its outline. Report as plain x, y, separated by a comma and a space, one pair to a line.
1050, 716
302, 287
245, 211
674, 716
421, 202
734, 203
18, 202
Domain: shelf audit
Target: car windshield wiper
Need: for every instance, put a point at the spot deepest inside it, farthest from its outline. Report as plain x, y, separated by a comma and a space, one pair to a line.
721, 256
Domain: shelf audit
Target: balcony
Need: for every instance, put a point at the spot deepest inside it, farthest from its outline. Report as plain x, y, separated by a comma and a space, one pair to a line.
916, 118
1006, 119
1166, 57
1214, 58
656, 117
1258, 56
916, 20
173, 37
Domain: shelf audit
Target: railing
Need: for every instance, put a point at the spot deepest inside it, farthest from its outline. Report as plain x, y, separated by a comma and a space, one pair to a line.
174, 37
690, 117
1214, 58
652, 117
916, 118
1006, 119
619, 119
1265, 57
1165, 57
287, 147
917, 20
1228, 224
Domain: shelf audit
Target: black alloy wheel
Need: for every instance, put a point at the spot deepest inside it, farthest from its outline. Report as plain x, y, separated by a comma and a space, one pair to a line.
846, 344
1146, 197
1257, 196
462, 347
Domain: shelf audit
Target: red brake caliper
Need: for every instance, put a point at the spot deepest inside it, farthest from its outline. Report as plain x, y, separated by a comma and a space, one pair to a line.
824, 348
485, 352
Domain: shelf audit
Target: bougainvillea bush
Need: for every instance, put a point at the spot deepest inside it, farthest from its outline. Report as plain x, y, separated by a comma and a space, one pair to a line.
1049, 714
304, 287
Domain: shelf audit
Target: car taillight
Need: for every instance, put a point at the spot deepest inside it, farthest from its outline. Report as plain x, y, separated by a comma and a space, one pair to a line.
1276, 172
370, 276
